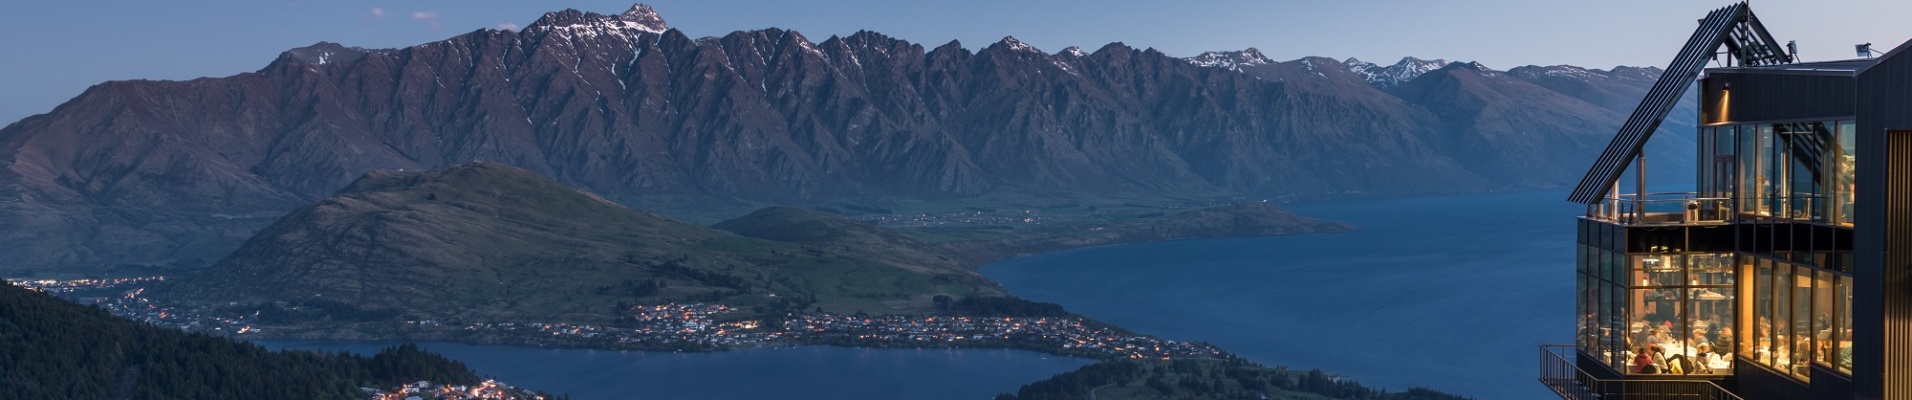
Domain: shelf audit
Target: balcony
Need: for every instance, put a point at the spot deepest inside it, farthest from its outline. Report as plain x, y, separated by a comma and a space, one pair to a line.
1559, 373
1652, 209
1688, 208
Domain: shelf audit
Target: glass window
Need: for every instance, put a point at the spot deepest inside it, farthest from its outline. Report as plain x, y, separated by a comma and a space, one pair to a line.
1782, 355
1711, 270
1822, 318
1759, 344
1582, 328
1842, 185
1617, 342
1766, 180
1711, 340
1801, 311
1844, 344
1746, 337
1659, 270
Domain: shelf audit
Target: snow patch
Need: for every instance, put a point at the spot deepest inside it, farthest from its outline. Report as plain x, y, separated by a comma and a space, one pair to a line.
1393, 75
1230, 60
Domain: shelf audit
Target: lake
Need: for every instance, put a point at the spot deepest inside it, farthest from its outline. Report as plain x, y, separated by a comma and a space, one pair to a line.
808, 372
1451, 293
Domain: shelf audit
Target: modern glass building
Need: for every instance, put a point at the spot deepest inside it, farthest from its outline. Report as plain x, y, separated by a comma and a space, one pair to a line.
1787, 272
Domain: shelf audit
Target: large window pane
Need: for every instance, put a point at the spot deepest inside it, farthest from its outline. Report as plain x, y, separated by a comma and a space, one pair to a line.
1657, 324
1844, 345
1583, 328
1617, 342
1822, 335
1843, 183
1766, 180
1744, 336
1659, 270
1711, 270
1801, 311
1711, 341
1762, 338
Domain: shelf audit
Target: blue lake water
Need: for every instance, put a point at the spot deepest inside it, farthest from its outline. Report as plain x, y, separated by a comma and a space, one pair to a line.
810, 372
1451, 293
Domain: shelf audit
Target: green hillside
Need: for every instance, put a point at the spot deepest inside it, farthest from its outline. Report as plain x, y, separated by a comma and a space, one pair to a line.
491, 242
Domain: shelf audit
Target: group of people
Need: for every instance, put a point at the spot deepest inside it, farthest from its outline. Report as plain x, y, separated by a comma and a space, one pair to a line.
1658, 351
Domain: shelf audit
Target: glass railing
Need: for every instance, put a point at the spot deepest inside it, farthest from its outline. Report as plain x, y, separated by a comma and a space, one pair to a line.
1662, 209
1799, 207
1687, 208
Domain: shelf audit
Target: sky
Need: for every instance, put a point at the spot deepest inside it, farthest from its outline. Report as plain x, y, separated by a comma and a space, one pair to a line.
55, 49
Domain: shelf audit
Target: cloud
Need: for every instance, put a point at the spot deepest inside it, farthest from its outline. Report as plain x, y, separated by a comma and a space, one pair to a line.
430, 18
508, 26
378, 12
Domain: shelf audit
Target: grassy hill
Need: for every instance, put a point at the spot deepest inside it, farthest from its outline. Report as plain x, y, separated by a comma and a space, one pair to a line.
487, 241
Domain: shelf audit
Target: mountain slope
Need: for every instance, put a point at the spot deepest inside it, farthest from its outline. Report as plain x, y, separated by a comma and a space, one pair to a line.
624, 106
826, 232
485, 241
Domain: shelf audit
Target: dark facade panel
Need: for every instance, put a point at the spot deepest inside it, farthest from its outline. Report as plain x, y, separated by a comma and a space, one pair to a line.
1755, 382
1882, 240
1751, 96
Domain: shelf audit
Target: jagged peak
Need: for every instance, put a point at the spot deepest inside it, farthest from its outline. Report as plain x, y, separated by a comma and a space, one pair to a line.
1230, 59
323, 53
643, 15
1402, 71
1115, 46
1073, 51
1011, 43
640, 17
1476, 66
1411, 60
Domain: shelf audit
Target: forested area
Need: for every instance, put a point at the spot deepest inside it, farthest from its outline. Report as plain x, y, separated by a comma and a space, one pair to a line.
54, 349
1205, 379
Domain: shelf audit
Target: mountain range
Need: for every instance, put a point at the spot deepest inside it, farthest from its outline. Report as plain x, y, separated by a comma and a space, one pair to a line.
645, 116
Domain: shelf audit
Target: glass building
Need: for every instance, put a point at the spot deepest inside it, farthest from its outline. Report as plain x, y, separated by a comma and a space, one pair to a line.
1776, 277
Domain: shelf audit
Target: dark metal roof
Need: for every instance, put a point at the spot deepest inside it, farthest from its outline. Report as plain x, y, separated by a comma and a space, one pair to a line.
1839, 66
1733, 27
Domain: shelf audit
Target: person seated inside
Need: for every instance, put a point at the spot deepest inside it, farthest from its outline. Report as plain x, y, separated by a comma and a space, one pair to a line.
1698, 340
1710, 362
1643, 362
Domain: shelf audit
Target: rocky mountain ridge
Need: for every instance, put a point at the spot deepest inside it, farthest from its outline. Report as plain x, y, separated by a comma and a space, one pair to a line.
624, 106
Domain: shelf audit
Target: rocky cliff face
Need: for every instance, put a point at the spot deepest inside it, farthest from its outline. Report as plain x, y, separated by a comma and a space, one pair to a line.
624, 106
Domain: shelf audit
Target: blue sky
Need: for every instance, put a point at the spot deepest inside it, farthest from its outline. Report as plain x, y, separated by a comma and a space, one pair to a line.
55, 49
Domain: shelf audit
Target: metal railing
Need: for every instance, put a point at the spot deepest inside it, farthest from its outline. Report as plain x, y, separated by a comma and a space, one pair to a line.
1687, 208
1682, 208
1559, 373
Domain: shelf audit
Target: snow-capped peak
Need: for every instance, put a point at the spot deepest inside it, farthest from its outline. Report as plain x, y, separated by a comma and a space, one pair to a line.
1017, 45
1074, 51
641, 18
644, 17
1233, 60
1394, 75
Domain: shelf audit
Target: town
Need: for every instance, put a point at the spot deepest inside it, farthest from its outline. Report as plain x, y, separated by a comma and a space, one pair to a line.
487, 390
695, 327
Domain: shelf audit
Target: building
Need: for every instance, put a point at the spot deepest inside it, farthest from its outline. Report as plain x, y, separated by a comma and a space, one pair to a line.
1787, 272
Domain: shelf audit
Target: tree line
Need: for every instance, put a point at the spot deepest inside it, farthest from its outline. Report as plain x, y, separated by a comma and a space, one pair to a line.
1205, 379
54, 349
